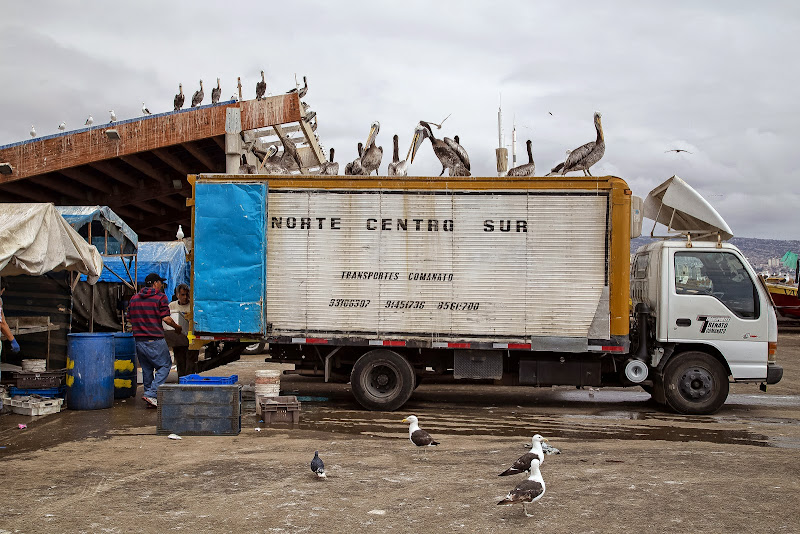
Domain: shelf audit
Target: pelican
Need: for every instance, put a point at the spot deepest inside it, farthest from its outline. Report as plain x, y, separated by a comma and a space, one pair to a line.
354, 167
526, 169
290, 154
447, 156
197, 98
246, 168
329, 168
62, 126
301, 92
113, 116
216, 93
89, 121
271, 163
527, 491
397, 167
557, 169
455, 145
179, 98
145, 110
371, 159
587, 155
33, 131
261, 87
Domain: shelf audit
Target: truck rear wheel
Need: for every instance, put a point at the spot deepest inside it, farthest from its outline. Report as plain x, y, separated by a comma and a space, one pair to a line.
382, 380
695, 383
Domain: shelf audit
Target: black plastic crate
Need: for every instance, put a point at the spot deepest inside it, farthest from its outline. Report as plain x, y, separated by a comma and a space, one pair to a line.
42, 379
200, 410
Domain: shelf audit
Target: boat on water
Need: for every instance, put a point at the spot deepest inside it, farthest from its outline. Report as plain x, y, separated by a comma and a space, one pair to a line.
784, 295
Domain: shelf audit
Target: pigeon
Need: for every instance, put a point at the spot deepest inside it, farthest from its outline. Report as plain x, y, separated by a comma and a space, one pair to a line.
33, 131
317, 466
527, 491
418, 437
180, 234
62, 126
89, 121
113, 116
145, 110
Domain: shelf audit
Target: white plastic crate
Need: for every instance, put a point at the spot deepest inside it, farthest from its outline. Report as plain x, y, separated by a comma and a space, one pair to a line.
34, 406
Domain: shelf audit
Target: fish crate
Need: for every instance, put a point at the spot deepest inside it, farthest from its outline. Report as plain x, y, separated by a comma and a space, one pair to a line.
208, 380
34, 406
200, 409
60, 391
280, 409
42, 379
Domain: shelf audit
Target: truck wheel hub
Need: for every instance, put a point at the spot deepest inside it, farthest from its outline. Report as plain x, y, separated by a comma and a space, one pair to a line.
696, 383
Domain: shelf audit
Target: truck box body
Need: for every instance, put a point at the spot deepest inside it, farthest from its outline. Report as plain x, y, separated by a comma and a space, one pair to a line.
416, 260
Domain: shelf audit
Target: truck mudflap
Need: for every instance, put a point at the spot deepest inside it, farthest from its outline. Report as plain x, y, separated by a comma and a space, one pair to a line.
774, 373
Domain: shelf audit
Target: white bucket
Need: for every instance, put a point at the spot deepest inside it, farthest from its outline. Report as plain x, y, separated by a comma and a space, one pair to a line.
268, 384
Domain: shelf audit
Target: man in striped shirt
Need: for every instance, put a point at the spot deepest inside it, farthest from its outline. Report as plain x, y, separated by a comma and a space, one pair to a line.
146, 311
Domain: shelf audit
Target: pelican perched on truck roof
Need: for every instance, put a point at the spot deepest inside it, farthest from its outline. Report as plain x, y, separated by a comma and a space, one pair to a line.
354, 167
329, 168
587, 155
371, 159
397, 167
526, 169
448, 157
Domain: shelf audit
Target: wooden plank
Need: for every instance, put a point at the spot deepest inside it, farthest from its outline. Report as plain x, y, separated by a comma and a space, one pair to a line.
72, 149
116, 172
204, 158
311, 139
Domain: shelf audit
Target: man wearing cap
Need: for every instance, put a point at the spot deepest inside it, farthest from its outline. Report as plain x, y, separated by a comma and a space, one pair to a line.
146, 311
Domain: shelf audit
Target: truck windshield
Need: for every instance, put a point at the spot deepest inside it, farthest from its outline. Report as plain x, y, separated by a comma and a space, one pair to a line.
720, 275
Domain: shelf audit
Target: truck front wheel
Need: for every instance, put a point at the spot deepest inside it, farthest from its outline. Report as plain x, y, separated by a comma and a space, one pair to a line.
695, 383
382, 380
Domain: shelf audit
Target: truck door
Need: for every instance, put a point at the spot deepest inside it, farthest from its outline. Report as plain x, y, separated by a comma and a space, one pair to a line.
714, 300
229, 257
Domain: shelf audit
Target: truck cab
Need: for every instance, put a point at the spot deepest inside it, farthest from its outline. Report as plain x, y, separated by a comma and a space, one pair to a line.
710, 317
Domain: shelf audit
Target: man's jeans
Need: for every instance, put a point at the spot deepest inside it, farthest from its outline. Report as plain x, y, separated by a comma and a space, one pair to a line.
153, 358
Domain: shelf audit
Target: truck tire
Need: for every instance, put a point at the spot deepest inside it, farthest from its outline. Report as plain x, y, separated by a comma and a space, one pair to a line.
382, 380
695, 383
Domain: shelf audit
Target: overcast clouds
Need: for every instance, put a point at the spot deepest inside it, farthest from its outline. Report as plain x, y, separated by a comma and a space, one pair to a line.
716, 78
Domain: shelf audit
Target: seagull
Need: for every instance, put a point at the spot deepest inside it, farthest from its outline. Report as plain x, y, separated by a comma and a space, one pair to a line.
526, 169
62, 126
216, 93
523, 463
179, 98
587, 155
677, 150
317, 466
329, 168
89, 121
33, 131
180, 234
527, 491
371, 160
261, 87
197, 98
418, 437
145, 110
113, 115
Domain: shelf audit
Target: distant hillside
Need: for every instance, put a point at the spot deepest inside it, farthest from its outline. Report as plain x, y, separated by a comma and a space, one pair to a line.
757, 251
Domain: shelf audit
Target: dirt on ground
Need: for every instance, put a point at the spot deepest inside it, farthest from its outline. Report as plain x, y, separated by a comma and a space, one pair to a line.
625, 464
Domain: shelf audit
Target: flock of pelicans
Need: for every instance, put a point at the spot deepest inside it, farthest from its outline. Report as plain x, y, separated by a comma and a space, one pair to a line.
528, 491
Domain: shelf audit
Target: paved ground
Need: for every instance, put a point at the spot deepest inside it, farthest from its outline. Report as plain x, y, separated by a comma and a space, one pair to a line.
625, 465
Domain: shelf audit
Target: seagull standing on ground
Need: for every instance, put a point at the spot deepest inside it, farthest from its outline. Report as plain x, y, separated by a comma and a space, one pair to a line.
317, 466
145, 110
527, 491
523, 463
418, 437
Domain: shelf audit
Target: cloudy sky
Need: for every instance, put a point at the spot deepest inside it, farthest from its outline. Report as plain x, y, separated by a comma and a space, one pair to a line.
718, 79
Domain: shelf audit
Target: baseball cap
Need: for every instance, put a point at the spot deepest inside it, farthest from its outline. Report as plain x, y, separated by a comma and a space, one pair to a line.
152, 278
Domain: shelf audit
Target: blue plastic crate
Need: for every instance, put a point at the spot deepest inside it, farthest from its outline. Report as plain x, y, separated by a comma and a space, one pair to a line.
209, 380
60, 391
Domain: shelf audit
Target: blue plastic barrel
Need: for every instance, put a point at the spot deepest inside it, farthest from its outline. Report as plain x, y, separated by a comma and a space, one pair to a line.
90, 371
124, 365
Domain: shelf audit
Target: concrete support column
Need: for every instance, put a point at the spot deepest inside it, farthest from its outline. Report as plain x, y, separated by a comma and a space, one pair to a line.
233, 140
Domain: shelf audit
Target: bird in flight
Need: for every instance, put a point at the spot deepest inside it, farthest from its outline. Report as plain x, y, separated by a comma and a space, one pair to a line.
676, 150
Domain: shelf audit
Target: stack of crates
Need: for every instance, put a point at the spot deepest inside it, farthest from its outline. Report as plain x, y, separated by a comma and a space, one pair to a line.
200, 406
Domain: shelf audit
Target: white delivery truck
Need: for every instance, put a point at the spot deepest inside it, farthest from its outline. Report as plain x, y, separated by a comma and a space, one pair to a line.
526, 281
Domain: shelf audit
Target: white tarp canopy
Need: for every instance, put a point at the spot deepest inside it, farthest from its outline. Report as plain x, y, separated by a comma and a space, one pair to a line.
676, 205
35, 239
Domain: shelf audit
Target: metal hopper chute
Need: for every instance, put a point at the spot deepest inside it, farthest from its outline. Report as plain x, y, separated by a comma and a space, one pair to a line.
680, 208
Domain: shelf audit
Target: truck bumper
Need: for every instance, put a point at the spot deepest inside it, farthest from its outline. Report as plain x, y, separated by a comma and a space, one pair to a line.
774, 373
